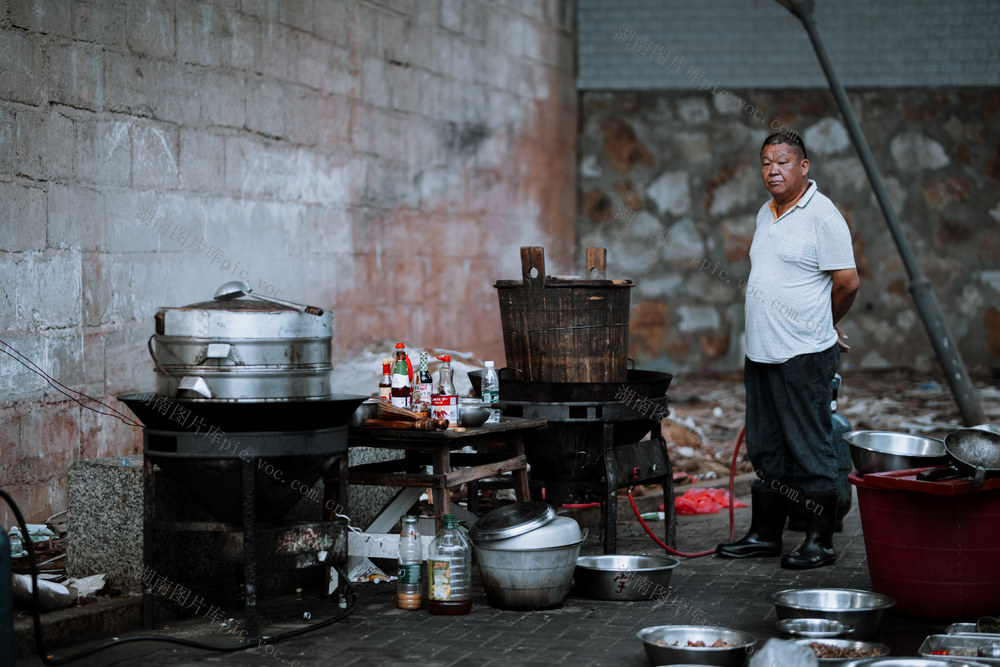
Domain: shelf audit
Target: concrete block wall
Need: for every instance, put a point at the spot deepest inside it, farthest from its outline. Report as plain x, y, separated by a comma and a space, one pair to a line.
384, 159
670, 183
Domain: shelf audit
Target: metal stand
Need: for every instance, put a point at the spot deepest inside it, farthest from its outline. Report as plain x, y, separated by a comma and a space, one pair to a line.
260, 547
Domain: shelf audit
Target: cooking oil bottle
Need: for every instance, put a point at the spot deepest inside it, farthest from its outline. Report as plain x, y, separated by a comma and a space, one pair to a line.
449, 570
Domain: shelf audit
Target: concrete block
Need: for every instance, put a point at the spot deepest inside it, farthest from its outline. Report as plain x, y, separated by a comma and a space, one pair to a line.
301, 115
22, 217
313, 56
101, 23
76, 218
50, 18
44, 144
154, 156
204, 33
273, 61
202, 160
332, 22
74, 71
149, 27
265, 106
16, 381
222, 99
375, 89
451, 15
48, 292
104, 151
299, 14
245, 47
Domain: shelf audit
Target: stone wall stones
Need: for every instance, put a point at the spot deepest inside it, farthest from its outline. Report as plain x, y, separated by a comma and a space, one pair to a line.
670, 184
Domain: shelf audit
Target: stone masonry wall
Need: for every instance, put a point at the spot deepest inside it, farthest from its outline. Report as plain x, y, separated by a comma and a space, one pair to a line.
670, 184
384, 159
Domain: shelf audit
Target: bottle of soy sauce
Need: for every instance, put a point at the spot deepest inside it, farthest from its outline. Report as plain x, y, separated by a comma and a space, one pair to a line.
400, 392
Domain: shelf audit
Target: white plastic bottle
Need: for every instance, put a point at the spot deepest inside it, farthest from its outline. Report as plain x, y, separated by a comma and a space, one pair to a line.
409, 584
491, 391
449, 570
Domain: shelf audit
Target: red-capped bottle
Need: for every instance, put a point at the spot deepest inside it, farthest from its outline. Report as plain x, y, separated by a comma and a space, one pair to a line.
400, 391
385, 384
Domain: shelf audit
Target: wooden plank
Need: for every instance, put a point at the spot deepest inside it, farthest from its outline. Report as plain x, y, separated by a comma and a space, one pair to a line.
457, 477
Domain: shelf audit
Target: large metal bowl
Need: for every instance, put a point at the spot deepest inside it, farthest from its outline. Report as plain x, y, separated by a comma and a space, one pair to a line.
814, 628
862, 609
880, 649
912, 662
658, 641
623, 577
883, 451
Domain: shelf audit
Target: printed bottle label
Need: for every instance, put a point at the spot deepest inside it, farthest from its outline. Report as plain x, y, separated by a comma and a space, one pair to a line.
409, 573
439, 580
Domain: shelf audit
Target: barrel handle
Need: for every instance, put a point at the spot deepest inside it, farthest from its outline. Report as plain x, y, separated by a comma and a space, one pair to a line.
630, 363
533, 267
597, 264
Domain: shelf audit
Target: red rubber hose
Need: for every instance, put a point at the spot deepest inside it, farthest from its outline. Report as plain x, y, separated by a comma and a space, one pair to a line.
732, 527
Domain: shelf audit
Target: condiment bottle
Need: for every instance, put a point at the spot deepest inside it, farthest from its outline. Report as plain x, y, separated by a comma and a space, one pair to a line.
425, 385
409, 585
449, 570
385, 384
444, 403
400, 391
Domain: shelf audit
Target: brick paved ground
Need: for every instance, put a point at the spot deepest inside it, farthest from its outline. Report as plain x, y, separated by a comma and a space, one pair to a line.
580, 632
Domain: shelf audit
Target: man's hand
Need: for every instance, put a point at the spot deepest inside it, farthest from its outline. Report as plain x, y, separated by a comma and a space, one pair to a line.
841, 337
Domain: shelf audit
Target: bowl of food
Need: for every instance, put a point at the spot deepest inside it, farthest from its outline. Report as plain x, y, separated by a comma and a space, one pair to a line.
862, 609
841, 651
696, 645
883, 451
623, 577
814, 628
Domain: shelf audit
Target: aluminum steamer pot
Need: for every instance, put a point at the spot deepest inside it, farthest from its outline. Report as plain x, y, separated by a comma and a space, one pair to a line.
241, 349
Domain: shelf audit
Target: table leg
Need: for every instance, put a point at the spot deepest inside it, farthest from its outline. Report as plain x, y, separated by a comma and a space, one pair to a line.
441, 459
611, 491
522, 493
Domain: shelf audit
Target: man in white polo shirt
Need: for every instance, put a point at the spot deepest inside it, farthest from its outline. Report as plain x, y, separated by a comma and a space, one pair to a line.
802, 282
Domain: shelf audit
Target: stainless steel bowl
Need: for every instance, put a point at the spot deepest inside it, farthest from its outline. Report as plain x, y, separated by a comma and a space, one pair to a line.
862, 609
472, 412
658, 641
623, 577
849, 644
913, 662
814, 628
882, 451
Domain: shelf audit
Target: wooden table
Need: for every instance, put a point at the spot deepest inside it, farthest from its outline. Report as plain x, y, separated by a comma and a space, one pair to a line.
499, 449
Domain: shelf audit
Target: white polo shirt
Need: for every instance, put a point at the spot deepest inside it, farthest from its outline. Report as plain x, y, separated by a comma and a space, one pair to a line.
788, 307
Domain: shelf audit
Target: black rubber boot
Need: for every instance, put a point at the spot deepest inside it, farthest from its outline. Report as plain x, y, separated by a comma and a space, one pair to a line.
769, 509
817, 549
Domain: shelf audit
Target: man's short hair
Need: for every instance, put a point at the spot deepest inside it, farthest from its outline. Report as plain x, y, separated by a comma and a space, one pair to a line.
791, 138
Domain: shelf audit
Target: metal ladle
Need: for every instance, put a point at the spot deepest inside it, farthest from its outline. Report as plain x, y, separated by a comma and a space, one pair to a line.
237, 288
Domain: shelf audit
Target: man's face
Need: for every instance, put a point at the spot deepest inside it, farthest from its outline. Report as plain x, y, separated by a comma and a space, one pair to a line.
784, 173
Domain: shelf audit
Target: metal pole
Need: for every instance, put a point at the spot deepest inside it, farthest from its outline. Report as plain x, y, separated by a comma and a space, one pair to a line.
924, 299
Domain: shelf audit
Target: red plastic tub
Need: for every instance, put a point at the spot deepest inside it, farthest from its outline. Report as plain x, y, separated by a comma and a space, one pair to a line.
934, 546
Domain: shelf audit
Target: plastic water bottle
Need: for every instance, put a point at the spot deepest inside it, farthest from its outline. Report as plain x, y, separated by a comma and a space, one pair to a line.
449, 570
491, 391
409, 585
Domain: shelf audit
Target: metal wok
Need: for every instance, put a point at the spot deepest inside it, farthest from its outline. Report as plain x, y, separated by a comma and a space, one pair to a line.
974, 452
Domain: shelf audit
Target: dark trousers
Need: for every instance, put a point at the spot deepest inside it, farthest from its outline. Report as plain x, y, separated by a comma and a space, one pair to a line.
788, 423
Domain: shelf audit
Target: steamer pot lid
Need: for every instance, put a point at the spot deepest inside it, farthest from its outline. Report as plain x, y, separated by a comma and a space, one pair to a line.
512, 520
237, 305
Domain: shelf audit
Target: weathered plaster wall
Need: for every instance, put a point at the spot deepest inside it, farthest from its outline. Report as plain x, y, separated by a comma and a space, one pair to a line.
384, 159
670, 184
